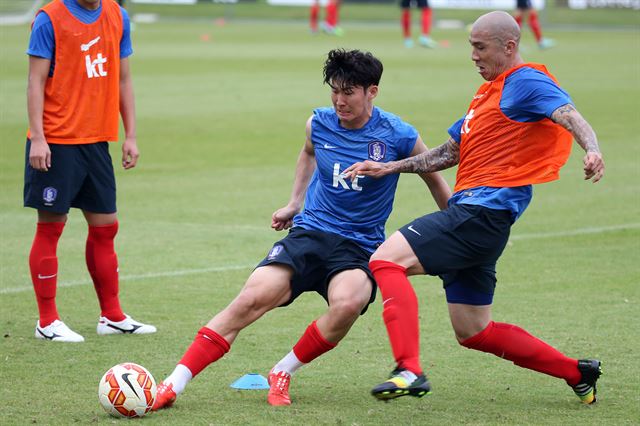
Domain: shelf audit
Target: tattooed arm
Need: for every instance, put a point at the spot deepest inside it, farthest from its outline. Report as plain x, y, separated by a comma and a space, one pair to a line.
436, 159
569, 118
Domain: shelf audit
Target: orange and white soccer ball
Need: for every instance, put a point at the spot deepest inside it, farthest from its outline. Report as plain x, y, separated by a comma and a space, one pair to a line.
127, 390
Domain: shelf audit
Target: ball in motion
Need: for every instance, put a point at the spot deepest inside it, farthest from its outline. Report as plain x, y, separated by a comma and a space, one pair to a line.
127, 390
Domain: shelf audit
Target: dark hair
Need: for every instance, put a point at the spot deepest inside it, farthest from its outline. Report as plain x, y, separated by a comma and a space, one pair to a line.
352, 68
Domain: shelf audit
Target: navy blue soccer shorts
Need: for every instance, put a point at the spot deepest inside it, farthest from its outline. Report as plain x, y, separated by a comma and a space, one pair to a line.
405, 4
523, 4
80, 176
462, 245
315, 257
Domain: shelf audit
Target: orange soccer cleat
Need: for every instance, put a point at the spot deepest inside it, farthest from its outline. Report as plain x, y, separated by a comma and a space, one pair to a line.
279, 388
165, 396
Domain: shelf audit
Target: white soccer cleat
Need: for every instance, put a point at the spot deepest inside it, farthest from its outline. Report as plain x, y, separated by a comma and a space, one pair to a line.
57, 331
126, 326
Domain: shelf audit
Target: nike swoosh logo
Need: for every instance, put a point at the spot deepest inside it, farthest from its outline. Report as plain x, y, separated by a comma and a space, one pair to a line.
131, 330
45, 277
53, 335
85, 47
327, 146
387, 300
125, 377
410, 228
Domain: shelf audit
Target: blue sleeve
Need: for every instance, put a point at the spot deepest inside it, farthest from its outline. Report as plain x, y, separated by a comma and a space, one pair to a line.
455, 130
410, 143
42, 42
531, 96
126, 49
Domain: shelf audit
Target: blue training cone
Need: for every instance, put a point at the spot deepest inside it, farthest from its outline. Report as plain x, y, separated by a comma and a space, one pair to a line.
251, 381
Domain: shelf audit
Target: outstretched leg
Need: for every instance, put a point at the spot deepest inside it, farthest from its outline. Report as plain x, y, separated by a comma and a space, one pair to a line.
475, 330
266, 288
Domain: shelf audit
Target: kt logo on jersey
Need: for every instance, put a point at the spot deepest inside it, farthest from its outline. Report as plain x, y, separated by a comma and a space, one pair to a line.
95, 67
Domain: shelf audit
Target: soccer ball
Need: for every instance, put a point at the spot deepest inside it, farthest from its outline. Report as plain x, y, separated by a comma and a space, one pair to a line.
127, 390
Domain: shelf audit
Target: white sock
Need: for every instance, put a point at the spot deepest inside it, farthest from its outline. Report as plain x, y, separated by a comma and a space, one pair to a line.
289, 364
180, 377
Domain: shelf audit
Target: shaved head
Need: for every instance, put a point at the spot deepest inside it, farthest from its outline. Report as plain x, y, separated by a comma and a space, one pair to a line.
494, 43
498, 25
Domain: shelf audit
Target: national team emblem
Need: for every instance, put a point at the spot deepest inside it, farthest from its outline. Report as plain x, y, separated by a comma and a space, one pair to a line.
377, 150
275, 251
49, 195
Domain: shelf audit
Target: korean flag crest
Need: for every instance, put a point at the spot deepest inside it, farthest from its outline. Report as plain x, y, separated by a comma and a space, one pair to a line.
275, 251
49, 195
377, 150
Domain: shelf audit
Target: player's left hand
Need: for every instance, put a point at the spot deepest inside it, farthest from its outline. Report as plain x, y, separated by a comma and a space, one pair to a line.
130, 153
365, 168
593, 166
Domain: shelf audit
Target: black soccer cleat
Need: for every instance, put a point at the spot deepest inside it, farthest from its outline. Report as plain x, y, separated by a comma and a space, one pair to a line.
402, 382
591, 369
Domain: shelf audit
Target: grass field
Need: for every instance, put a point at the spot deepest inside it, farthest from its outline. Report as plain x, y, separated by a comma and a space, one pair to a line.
221, 113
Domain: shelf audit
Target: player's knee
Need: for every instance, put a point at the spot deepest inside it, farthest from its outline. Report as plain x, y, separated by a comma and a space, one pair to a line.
380, 255
348, 308
466, 326
462, 336
247, 304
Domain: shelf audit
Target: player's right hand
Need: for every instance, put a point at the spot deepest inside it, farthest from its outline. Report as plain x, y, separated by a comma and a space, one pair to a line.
40, 155
283, 218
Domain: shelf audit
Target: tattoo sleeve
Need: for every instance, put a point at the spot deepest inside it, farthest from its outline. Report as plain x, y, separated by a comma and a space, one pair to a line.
439, 158
569, 118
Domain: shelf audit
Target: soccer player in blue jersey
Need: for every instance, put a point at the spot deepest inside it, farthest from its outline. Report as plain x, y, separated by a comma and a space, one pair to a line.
79, 83
331, 237
517, 132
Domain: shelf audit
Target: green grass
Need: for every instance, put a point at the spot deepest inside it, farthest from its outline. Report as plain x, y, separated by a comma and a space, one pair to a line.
220, 124
378, 12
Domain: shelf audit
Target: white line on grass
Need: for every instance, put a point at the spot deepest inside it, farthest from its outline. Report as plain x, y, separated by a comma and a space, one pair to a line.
575, 232
179, 273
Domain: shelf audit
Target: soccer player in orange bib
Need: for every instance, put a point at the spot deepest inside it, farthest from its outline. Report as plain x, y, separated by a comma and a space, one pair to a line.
517, 132
79, 81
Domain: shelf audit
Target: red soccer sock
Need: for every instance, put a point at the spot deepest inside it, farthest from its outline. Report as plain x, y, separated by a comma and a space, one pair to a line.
515, 344
535, 25
43, 264
102, 263
314, 11
518, 19
400, 313
207, 347
332, 14
426, 21
405, 21
312, 344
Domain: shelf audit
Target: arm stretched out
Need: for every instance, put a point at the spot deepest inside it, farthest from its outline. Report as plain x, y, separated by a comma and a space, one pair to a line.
569, 118
433, 160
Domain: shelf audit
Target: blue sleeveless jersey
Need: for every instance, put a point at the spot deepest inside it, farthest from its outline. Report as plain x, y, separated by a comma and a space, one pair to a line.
357, 210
